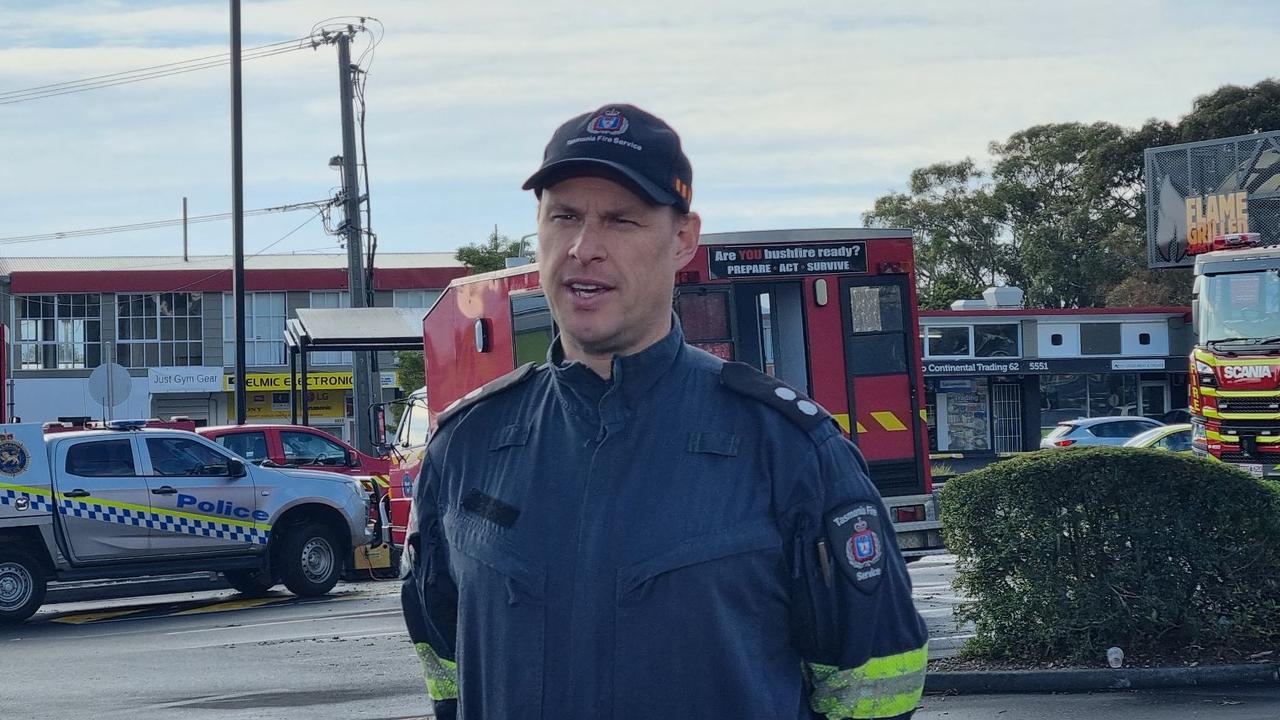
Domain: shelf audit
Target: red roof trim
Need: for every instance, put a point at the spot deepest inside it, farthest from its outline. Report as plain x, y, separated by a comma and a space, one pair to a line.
1034, 312
110, 281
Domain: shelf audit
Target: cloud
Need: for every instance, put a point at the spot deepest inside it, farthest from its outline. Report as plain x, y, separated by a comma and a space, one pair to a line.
793, 114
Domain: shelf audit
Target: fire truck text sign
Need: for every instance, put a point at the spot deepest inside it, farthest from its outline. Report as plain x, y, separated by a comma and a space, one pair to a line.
796, 259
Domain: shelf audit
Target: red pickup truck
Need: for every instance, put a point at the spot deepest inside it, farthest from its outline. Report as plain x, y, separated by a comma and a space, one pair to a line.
296, 446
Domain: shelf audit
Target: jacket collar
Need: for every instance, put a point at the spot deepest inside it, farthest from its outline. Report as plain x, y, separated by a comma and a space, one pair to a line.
633, 375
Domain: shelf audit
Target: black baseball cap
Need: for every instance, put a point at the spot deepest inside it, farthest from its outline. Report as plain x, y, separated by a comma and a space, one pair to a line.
622, 142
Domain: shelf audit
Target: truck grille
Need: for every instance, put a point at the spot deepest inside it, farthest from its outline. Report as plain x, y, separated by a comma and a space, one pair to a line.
1262, 457
1249, 404
896, 477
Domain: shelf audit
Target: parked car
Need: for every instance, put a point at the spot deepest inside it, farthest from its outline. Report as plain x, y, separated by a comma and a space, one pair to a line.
1178, 415
295, 446
1175, 437
1097, 431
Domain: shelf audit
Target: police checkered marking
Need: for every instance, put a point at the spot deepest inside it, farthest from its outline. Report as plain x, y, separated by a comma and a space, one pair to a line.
38, 501
122, 514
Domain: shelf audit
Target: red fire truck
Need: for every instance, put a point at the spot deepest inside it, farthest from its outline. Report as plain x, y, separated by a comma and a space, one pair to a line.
831, 312
1235, 366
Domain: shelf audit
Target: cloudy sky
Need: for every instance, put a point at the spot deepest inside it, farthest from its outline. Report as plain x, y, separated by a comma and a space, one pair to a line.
795, 114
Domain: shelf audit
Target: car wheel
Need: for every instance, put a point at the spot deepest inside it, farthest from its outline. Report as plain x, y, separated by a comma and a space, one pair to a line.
250, 582
310, 561
22, 587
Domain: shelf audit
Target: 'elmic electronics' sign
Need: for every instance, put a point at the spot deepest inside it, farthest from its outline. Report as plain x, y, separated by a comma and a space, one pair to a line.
796, 259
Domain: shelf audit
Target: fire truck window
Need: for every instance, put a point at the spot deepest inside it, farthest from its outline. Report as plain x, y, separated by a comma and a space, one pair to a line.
704, 316
419, 424
875, 308
533, 328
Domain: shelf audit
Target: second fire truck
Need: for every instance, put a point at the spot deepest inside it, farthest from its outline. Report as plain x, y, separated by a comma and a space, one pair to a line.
1235, 367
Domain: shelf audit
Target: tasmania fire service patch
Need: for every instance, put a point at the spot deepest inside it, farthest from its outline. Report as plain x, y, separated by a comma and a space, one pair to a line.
855, 532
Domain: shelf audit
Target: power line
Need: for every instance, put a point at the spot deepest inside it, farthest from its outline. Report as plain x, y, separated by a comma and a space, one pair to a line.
150, 73
33, 298
154, 224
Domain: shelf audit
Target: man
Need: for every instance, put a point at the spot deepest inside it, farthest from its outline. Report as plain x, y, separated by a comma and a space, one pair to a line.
637, 529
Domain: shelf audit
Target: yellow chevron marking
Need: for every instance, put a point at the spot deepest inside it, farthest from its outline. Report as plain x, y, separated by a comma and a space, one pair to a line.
82, 618
234, 605
888, 420
861, 429
843, 420
924, 415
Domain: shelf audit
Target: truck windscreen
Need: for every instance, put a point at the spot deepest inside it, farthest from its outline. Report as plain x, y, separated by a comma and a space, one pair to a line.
1240, 306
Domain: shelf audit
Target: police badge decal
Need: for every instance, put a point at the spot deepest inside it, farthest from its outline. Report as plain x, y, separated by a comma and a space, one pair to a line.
858, 528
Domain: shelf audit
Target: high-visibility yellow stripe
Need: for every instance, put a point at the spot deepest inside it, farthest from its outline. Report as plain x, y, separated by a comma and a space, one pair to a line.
880, 688
1213, 361
888, 420
441, 674
842, 419
1219, 392
241, 604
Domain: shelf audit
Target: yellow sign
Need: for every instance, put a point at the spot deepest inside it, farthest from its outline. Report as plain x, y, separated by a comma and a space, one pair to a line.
275, 405
1214, 215
281, 382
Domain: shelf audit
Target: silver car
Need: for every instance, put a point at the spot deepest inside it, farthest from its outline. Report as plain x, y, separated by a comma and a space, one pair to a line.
1097, 431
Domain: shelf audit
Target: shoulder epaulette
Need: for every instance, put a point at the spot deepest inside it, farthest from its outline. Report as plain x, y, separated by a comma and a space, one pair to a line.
488, 390
746, 380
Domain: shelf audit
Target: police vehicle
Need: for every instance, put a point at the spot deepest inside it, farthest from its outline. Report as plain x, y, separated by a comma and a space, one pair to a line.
130, 501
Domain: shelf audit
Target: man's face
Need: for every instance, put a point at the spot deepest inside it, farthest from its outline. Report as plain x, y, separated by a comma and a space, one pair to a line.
608, 261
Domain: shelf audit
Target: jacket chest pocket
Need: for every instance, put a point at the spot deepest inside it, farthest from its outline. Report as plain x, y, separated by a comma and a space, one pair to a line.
501, 621
691, 617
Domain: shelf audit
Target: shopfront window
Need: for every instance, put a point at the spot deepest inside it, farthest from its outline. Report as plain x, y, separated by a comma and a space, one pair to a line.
961, 414
1067, 397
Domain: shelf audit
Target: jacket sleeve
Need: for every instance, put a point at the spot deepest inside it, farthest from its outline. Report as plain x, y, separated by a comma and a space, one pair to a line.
854, 623
429, 597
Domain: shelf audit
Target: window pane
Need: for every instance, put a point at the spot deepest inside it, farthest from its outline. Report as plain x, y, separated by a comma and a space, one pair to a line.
179, 456
166, 354
195, 329
704, 316
152, 354
105, 458
1100, 339
195, 304
875, 308
309, 449
166, 328
948, 341
995, 340
881, 354
251, 446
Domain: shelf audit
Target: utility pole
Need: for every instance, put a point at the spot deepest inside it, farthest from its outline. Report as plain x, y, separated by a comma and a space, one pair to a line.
237, 213
361, 379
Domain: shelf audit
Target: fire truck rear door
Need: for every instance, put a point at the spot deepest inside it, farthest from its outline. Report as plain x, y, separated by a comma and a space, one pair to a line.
880, 364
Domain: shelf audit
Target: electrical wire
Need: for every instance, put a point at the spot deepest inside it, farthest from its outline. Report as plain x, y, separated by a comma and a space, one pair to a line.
210, 276
154, 224
148, 73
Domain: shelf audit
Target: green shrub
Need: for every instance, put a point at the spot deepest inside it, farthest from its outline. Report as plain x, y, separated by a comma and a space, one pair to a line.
1067, 552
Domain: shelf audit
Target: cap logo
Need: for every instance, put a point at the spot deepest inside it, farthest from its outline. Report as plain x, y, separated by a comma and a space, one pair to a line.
609, 122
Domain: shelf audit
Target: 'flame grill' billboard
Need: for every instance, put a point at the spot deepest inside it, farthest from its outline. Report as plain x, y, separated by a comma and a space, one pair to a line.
1201, 189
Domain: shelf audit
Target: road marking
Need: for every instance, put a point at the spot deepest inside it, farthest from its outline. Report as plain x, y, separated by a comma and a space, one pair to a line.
82, 618
228, 605
311, 618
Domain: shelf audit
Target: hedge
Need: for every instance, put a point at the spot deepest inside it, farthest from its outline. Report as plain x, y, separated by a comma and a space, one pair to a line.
1068, 552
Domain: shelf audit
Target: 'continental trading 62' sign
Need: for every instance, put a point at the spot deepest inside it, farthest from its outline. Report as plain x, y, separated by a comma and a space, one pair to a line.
797, 259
